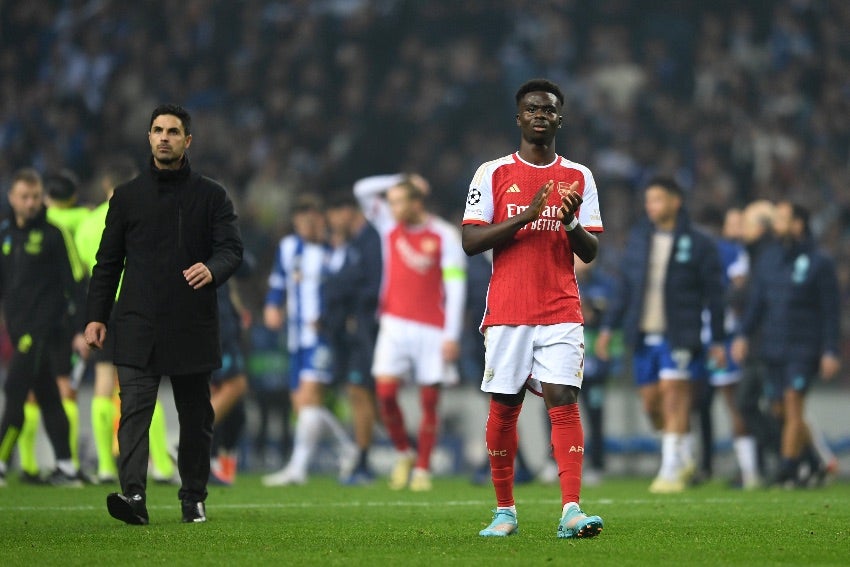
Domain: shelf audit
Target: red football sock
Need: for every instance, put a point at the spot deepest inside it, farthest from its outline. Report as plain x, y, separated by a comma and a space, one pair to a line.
568, 449
387, 394
502, 440
428, 396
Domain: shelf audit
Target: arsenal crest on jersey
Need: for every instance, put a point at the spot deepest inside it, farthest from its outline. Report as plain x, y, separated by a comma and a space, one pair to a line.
563, 188
429, 245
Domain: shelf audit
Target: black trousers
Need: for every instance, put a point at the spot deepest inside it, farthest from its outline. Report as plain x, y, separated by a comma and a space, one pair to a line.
138, 390
31, 369
229, 430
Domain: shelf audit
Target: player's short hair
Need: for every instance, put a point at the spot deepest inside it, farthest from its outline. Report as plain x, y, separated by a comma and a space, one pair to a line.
340, 199
540, 85
668, 184
61, 185
800, 213
28, 175
306, 203
173, 110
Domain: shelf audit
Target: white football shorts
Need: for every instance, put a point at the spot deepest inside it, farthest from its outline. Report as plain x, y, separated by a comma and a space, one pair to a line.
516, 356
412, 351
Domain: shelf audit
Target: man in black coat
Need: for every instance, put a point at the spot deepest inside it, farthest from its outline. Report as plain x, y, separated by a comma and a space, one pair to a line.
174, 235
671, 273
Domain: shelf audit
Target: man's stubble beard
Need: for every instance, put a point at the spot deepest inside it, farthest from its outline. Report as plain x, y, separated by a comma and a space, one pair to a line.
168, 160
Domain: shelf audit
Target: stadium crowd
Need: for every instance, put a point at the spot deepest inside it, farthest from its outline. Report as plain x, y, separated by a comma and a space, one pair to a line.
736, 101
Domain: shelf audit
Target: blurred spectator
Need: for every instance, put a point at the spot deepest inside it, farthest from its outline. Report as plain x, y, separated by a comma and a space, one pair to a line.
737, 103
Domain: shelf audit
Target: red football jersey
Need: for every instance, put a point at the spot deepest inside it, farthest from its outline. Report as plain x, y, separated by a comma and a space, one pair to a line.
424, 276
416, 259
533, 281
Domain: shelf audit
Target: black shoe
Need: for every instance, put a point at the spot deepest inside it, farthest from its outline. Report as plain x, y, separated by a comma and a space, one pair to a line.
812, 475
32, 479
193, 512
58, 478
128, 509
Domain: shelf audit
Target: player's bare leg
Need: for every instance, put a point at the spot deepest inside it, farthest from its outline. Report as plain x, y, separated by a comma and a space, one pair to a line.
677, 464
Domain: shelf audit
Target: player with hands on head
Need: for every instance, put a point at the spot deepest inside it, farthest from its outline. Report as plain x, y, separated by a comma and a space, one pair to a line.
421, 313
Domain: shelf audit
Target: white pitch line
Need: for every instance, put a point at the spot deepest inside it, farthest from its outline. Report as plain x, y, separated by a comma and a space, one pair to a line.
374, 504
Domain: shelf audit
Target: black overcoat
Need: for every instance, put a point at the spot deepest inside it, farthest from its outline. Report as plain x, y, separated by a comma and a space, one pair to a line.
159, 224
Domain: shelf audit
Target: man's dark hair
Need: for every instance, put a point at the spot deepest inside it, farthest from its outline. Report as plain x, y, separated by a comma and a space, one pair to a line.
61, 185
669, 185
801, 213
174, 110
341, 198
540, 85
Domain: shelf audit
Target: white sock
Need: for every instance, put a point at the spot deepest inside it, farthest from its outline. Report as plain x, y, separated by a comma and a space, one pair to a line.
335, 427
569, 505
686, 449
67, 467
670, 450
745, 452
511, 509
308, 432
819, 441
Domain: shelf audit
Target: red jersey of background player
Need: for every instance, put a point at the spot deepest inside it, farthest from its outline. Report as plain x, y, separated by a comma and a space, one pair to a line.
424, 266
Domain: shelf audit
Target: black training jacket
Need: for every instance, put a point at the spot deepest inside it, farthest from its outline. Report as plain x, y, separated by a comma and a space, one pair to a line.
41, 278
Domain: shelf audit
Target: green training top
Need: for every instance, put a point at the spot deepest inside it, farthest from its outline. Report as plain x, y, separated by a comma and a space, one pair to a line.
88, 238
89, 233
69, 218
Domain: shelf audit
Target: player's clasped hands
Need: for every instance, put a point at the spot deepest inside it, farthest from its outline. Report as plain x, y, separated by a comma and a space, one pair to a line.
540, 199
570, 202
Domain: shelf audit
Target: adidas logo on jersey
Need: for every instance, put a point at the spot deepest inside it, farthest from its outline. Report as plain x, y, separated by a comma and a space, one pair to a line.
513, 189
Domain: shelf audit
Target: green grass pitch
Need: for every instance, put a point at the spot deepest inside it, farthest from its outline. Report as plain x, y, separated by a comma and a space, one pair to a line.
323, 523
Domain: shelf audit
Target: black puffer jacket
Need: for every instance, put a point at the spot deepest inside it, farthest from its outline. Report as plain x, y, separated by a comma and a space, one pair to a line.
694, 283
